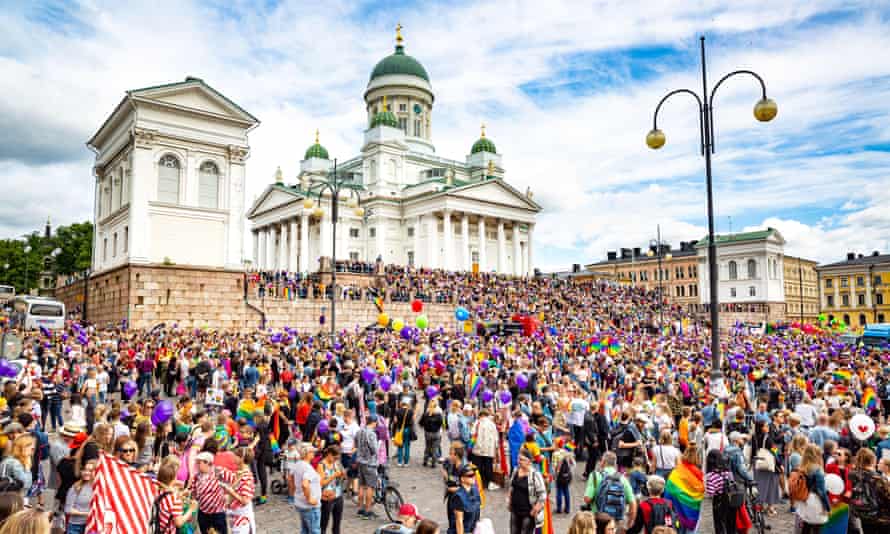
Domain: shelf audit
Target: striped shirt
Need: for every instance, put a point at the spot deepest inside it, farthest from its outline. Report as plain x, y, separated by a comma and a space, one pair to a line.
208, 491
245, 488
169, 508
714, 482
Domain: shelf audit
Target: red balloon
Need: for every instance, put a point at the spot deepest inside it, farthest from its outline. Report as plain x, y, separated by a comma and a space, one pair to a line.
416, 306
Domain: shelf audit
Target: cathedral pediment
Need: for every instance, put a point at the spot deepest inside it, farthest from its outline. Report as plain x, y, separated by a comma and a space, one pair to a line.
496, 191
273, 197
194, 95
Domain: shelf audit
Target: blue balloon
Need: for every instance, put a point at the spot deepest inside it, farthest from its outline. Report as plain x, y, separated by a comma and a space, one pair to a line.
461, 314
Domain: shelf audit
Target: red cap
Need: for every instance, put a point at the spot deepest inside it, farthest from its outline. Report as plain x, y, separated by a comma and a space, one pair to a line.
409, 510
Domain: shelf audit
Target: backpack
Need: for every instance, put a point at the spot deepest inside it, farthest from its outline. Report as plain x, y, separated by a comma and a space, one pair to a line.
614, 440
797, 486
155, 522
610, 496
864, 502
661, 513
564, 474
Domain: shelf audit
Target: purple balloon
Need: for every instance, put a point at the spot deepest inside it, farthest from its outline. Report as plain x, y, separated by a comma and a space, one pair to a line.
487, 395
292, 394
431, 392
521, 381
368, 375
483, 365
130, 388
733, 365
505, 397
385, 383
323, 427
162, 413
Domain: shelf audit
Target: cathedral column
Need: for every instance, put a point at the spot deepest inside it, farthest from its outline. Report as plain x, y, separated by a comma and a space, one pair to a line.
466, 258
433, 241
282, 247
530, 267
325, 247
381, 237
304, 242
483, 257
292, 253
261, 252
418, 224
270, 248
502, 247
255, 234
517, 250
448, 262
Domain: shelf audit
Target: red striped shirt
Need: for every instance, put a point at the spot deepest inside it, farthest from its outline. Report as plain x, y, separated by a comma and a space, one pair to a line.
169, 508
208, 491
245, 488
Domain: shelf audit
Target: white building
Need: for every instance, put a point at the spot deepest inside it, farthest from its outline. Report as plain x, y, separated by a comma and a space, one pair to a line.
418, 208
170, 176
750, 267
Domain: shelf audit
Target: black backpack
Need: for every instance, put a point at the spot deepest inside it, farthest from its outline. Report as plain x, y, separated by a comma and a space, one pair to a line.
865, 502
660, 514
564, 475
610, 496
155, 522
614, 438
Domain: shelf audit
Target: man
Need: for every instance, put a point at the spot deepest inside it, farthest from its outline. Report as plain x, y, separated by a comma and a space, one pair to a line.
590, 437
654, 511
822, 432
405, 523
576, 419
610, 492
807, 413
735, 457
485, 449
307, 491
366, 445
882, 451
630, 442
464, 505
209, 494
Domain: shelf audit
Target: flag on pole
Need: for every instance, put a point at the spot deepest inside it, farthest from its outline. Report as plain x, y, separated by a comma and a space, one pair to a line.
122, 498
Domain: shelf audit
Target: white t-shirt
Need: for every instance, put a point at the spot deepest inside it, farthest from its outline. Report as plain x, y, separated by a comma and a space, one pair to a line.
102, 379
348, 434
575, 416
304, 471
666, 456
120, 429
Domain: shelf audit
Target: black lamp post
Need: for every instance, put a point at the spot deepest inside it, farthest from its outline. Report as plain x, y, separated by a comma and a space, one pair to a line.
334, 185
765, 110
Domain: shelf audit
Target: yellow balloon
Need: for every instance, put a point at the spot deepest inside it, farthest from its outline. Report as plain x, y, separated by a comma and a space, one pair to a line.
511, 350
383, 319
398, 324
480, 356
468, 327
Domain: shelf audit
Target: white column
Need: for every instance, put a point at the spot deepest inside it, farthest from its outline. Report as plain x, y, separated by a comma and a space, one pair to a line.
517, 251
270, 248
483, 257
256, 248
502, 247
381, 238
867, 292
282, 247
292, 254
433, 241
418, 225
529, 251
261, 253
304, 243
448, 262
325, 247
466, 258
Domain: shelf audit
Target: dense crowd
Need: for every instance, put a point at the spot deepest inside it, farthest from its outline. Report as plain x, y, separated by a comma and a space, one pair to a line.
595, 387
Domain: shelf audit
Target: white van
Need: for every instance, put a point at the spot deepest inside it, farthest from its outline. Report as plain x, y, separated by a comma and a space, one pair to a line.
31, 313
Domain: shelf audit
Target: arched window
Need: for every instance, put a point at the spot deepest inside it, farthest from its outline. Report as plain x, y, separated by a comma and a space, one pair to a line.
208, 185
752, 269
862, 321
168, 180
733, 270
846, 319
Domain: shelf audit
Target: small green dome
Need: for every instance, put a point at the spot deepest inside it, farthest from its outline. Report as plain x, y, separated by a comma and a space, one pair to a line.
385, 118
484, 144
316, 151
399, 63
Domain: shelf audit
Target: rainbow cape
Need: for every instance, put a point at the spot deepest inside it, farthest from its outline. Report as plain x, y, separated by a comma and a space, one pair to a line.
842, 374
838, 519
686, 488
869, 399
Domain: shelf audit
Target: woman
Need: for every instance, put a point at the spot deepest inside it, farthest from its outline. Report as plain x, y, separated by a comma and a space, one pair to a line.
841, 466
10, 503
77, 502
171, 514
102, 439
464, 505
718, 474
582, 523
865, 474
605, 524
766, 466
240, 509
526, 496
666, 455
27, 521
403, 423
813, 512
453, 464
144, 444
431, 422
332, 479
427, 526
18, 464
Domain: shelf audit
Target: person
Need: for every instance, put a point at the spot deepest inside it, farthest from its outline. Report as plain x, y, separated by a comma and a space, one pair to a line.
240, 510
735, 457
10, 503
102, 439
813, 512
605, 524
486, 440
666, 455
403, 424
427, 526
609, 491
307, 497
874, 517
406, 522
332, 475
526, 496
590, 433
208, 491
583, 523
766, 466
431, 422
348, 432
464, 505
653, 511
168, 511
452, 465
565, 464
17, 465
366, 457
126, 450
27, 521
717, 479
77, 502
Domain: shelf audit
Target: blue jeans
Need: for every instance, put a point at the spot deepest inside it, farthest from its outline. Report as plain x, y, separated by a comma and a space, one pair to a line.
562, 499
55, 415
310, 521
76, 529
403, 454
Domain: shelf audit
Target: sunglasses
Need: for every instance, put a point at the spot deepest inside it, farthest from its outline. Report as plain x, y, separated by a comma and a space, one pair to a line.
127, 451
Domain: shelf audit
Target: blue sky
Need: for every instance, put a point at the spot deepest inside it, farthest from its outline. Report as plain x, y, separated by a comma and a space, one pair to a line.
567, 93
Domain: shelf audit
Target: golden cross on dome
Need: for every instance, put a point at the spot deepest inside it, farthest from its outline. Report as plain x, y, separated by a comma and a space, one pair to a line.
483, 129
316, 136
399, 33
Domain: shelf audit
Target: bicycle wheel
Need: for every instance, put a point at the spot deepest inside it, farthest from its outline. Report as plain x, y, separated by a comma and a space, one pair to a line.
392, 501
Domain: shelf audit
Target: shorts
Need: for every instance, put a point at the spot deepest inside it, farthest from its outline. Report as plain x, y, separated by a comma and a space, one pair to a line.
367, 475
349, 464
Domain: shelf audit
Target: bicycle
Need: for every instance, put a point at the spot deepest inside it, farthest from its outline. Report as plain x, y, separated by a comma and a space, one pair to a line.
755, 508
387, 494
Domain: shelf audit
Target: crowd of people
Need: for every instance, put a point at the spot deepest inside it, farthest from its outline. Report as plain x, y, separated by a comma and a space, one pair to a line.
596, 390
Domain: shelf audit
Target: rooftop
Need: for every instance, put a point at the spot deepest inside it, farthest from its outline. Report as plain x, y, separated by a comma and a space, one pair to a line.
860, 260
737, 238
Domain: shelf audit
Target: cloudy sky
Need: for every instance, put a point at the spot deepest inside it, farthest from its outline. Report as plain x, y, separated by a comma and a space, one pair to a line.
567, 93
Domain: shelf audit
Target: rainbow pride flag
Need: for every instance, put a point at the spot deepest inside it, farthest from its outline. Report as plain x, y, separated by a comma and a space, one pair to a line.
686, 488
475, 383
842, 374
323, 394
869, 399
838, 519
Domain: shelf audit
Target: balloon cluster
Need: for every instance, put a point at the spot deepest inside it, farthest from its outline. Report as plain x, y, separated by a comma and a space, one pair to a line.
7, 370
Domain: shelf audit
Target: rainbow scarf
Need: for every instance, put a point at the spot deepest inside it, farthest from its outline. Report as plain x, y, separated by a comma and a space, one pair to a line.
685, 488
838, 519
475, 383
869, 399
842, 374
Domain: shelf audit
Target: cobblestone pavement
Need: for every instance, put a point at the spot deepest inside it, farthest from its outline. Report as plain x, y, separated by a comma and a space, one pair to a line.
423, 486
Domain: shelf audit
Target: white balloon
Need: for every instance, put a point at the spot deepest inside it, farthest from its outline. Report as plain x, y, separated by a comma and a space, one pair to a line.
862, 426
834, 484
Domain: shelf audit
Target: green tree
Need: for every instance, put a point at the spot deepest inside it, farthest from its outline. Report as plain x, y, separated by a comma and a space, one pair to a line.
21, 269
76, 244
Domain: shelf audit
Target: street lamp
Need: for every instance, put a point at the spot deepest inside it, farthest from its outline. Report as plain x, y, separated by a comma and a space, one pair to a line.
334, 184
765, 110
27, 251
656, 248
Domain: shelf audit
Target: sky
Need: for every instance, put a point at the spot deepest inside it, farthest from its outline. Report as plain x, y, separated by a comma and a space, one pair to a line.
567, 93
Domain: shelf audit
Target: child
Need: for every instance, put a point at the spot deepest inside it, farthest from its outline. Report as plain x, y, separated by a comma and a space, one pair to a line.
78, 413
291, 457
637, 477
564, 460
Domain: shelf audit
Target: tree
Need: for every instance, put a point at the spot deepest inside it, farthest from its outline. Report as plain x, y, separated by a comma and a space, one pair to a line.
75, 243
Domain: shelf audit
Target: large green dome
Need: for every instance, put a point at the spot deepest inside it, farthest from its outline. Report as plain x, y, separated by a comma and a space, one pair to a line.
484, 144
316, 150
399, 63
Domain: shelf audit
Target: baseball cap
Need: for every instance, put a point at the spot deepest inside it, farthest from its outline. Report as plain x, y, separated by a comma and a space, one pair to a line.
204, 457
409, 510
372, 419
467, 470
735, 436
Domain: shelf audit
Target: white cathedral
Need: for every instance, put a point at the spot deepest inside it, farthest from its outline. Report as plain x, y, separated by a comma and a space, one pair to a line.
400, 203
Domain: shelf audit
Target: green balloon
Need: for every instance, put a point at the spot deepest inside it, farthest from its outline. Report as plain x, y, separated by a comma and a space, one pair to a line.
422, 322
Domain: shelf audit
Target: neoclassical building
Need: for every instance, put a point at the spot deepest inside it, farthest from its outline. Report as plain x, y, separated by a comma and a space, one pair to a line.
414, 207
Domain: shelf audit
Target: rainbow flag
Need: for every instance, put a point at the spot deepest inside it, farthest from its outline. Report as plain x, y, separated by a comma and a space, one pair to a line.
842, 374
838, 519
246, 409
547, 528
323, 394
475, 383
481, 489
869, 399
378, 302
686, 488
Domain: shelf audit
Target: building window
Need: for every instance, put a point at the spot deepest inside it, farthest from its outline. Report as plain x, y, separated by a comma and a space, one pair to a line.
411, 257
880, 317
353, 232
403, 107
208, 185
733, 270
828, 283
860, 299
410, 231
168, 180
114, 246
845, 282
126, 238
403, 125
845, 300
860, 281
877, 280
353, 256
372, 232
830, 301
879, 299
105, 249
732, 292
862, 321
752, 291
752, 269
846, 319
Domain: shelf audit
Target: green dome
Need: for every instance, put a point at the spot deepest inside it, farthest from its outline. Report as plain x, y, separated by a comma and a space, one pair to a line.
385, 118
316, 151
399, 63
484, 144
